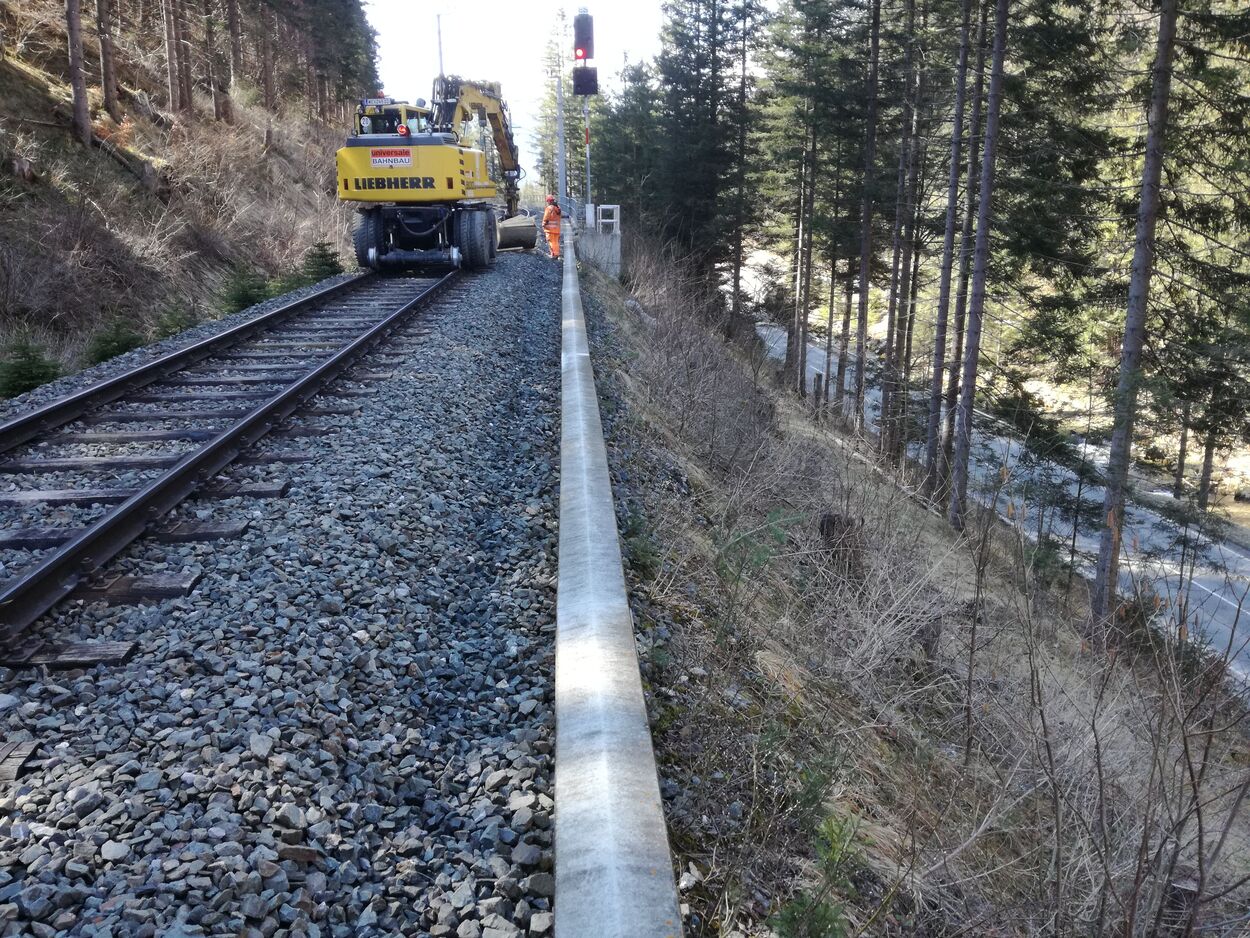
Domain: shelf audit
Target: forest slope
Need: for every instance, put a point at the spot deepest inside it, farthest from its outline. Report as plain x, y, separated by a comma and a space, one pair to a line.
139, 234
868, 724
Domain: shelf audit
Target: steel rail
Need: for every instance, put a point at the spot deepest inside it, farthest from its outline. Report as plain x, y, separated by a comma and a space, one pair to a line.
42, 586
63, 410
613, 868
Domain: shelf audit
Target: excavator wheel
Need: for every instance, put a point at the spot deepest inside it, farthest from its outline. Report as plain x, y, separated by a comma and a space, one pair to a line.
492, 235
368, 234
472, 234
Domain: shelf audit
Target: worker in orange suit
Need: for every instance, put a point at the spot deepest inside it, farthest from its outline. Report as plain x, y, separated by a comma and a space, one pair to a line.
551, 226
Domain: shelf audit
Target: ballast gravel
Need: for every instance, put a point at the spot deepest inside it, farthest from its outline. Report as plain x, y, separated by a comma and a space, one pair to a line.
347, 727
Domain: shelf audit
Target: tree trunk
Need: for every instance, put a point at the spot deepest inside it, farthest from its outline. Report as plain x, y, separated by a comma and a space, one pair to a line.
898, 398
77, 81
181, 33
966, 238
808, 219
833, 273
171, 56
802, 224
844, 342
266, 55
1106, 581
889, 373
976, 311
1178, 480
108, 72
1208, 468
740, 171
221, 105
948, 258
833, 303
865, 238
905, 400
236, 42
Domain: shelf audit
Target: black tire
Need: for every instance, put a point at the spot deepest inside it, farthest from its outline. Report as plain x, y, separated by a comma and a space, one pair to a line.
474, 246
368, 234
492, 236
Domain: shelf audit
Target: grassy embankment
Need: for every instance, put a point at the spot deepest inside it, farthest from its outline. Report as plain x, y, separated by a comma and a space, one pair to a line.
888, 728
168, 220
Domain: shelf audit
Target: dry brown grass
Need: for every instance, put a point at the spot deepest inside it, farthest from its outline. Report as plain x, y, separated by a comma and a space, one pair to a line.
910, 727
87, 242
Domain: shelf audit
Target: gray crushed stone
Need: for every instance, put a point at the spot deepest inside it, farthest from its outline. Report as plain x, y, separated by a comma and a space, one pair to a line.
347, 727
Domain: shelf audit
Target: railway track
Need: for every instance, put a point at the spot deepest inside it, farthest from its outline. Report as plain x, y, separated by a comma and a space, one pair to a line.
85, 475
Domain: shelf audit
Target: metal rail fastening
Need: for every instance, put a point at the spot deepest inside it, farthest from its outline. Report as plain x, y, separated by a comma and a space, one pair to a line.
613, 867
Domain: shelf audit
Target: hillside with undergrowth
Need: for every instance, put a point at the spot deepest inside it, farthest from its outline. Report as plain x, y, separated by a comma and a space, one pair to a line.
866, 723
173, 214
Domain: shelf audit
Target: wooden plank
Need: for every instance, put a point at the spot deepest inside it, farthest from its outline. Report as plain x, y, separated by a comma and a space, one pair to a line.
261, 356
258, 367
355, 325
295, 433
300, 345
89, 463
36, 537
176, 397
184, 532
13, 758
142, 416
283, 456
246, 490
209, 381
138, 589
66, 497
135, 436
105, 496
332, 410
40, 538
318, 333
82, 655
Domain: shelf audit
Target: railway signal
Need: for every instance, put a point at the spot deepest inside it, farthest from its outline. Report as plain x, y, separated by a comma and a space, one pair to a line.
585, 76
583, 36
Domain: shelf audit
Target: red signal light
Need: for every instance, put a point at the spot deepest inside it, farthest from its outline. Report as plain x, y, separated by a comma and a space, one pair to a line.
579, 53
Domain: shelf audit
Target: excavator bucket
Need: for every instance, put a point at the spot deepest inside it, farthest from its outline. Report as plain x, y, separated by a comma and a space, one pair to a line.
519, 231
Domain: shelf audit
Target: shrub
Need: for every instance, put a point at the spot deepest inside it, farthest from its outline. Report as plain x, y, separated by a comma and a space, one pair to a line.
24, 367
175, 319
320, 261
114, 339
244, 288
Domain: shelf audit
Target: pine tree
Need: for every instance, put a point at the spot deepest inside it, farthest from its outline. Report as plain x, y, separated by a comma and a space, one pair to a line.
1106, 582
77, 80
980, 273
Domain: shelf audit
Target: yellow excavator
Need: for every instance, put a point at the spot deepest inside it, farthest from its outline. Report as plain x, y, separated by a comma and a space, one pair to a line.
427, 195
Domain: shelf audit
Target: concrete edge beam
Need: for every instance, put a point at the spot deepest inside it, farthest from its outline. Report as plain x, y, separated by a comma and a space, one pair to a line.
613, 867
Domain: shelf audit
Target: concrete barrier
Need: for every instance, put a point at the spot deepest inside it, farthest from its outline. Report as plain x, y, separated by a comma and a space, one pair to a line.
613, 868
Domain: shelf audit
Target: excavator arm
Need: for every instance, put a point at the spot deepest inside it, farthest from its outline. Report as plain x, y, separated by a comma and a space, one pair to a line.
457, 100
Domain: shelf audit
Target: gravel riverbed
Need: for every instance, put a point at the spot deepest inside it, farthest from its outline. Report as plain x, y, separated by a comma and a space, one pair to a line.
346, 729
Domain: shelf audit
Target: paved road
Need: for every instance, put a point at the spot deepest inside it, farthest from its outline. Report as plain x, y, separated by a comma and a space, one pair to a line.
1216, 579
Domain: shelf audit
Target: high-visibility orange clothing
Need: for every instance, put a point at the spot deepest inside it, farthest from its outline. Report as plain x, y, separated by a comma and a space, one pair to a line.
551, 228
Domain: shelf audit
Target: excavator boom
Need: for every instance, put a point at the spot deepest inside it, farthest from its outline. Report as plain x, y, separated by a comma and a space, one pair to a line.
457, 102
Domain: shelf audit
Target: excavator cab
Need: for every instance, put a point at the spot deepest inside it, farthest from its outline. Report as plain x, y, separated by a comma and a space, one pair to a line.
399, 118
427, 196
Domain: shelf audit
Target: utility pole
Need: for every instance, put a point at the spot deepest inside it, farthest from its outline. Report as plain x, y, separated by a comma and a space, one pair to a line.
562, 167
590, 201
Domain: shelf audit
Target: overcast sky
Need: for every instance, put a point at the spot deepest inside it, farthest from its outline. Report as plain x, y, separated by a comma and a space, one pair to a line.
501, 41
